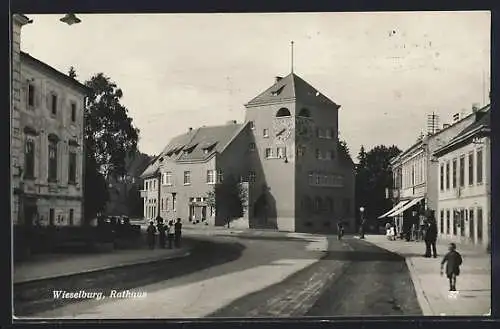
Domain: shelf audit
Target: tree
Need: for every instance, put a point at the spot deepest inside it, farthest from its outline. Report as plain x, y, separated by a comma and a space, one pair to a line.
376, 176
72, 72
109, 136
229, 198
343, 148
361, 182
108, 128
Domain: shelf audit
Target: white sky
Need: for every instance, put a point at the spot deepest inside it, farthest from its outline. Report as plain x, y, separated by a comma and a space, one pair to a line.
386, 70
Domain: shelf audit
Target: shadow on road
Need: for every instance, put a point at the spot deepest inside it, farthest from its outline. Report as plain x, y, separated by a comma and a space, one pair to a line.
34, 297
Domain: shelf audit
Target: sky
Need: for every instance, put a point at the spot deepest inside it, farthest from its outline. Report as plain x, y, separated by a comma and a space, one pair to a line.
388, 71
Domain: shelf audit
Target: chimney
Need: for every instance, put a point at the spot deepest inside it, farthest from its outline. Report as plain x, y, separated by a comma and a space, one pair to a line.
475, 107
278, 79
456, 117
446, 125
190, 129
231, 122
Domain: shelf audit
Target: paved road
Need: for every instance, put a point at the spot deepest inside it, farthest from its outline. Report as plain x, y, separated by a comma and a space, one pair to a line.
244, 275
354, 278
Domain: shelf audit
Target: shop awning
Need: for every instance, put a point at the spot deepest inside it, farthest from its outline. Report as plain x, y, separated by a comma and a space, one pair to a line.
406, 206
396, 207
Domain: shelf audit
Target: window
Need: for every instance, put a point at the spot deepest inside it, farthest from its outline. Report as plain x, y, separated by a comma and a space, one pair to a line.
52, 216
471, 224
310, 178
251, 146
73, 112
331, 155
455, 220
318, 179
441, 222
71, 217
72, 167
53, 104
174, 201
479, 166
319, 133
304, 113
145, 185
211, 176
29, 158
252, 125
269, 153
52, 160
454, 170
283, 112
463, 214
329, 204
448, 175
329, 133
265, 133
318, 206
281, 152
471, 168
479, 224
462, 171
251, 176
31, 95
318, 154
220, 176
168, 178
447, 221
166, 203
187, 177
301, 150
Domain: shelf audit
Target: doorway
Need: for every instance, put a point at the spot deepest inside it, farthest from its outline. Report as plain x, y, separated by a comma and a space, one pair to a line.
30, 212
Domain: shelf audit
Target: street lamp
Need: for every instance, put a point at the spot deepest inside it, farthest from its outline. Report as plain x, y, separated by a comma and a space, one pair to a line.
70, 19
362, 228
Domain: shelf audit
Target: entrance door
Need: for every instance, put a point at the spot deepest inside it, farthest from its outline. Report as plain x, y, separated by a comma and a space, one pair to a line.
29, 214
203, 213
191, 213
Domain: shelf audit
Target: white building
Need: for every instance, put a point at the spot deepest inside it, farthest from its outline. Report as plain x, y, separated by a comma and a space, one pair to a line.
415, 172
464, 204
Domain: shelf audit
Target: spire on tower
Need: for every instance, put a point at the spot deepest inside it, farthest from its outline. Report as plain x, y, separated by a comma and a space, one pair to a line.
291, 45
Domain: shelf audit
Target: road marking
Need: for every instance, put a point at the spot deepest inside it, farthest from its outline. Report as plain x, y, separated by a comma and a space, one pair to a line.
192, 300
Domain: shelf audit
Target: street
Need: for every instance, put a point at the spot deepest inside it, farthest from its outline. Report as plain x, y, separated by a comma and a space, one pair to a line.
241, 275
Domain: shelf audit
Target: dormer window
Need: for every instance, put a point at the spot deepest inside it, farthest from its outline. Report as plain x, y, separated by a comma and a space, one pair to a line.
278, 91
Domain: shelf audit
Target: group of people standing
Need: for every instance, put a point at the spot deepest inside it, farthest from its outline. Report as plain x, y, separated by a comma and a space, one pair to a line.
166, 232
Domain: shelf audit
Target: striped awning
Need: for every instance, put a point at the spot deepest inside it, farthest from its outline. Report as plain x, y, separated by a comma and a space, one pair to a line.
396, 207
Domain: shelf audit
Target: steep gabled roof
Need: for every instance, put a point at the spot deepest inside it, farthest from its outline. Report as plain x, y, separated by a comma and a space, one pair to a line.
292, 87
196, 145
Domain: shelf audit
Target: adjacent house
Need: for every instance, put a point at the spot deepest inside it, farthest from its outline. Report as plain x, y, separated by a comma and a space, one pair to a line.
285, 152
47, 146
464, 186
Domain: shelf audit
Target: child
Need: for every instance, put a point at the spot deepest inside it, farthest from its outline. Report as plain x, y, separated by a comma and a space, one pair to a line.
453, 261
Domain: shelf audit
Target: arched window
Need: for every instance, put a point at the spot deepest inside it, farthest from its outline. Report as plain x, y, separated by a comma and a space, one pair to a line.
305, 113
330, 205
318, 204
283, 112
307, 203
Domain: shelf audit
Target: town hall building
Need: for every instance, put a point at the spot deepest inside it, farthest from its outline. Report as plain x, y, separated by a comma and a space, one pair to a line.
286, 154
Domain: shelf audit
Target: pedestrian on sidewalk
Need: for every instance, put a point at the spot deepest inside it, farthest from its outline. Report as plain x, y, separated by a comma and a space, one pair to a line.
340, 230
453, 260
177, 233
161, 232
151, 231
170, 233
430, 235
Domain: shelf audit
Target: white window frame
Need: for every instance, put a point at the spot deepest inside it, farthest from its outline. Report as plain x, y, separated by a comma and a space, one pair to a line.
265, 132
268, 153
211, 176
187, 177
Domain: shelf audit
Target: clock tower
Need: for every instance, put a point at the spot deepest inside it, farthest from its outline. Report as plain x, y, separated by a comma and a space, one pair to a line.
296, 173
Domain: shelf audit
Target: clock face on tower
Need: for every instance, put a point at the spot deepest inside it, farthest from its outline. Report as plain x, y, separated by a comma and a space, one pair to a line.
282, 129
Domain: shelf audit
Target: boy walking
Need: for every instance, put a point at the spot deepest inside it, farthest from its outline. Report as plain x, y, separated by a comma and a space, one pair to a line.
453, 261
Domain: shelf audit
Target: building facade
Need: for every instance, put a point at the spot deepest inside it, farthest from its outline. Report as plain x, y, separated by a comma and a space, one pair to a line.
286, 154
48, 153
464, 187
415, 173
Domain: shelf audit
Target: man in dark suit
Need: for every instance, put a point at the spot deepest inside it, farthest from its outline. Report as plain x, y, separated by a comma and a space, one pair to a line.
430, 235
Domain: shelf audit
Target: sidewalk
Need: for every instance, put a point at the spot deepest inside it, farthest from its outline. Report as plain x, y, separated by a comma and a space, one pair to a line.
474, 283
81, 263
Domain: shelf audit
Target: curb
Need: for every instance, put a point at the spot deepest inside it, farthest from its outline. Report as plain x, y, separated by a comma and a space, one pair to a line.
421, 296
105, 268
